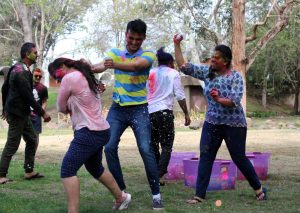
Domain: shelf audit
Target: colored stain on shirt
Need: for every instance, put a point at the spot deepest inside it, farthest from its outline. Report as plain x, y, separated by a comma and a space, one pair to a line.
134, 79
163, 85
151, 83
130, 87
17, 68
75, 97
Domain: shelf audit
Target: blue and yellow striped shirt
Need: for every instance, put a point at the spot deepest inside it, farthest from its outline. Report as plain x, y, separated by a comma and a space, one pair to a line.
130, 87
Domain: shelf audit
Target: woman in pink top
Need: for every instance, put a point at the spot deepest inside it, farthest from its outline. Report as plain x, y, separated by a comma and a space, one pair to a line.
79, 96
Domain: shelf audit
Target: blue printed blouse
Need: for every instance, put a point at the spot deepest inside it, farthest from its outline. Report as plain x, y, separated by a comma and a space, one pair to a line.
229, 86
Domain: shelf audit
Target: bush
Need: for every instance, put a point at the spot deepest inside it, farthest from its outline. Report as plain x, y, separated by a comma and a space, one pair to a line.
261, 114
52, 96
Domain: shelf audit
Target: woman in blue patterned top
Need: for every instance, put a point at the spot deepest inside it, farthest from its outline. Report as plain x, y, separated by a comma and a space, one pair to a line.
224, 120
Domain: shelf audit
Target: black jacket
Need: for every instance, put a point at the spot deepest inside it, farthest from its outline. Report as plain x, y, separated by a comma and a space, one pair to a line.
20, 97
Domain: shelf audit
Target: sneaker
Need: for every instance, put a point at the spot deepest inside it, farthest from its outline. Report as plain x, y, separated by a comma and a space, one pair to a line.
124, 204
157, 204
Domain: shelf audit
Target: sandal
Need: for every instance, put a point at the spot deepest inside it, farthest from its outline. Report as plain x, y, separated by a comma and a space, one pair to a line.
162, 182
262, 195
195, 200
6, 180
35, 176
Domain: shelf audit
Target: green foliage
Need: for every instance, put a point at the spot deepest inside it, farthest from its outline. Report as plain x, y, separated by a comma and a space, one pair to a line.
261, 114
276, 67
52, 96
44, 20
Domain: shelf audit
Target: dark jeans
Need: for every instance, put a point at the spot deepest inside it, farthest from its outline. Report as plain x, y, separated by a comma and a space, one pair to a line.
36, 123
17, 128
211, 139
162, 134
137, 117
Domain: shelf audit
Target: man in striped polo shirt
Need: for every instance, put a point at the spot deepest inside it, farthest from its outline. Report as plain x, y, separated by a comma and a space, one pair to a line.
131, 66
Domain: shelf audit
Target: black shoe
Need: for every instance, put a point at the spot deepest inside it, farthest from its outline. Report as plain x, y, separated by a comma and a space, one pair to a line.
157, 204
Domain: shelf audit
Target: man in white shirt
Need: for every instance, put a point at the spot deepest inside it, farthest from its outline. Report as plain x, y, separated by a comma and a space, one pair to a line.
163, 84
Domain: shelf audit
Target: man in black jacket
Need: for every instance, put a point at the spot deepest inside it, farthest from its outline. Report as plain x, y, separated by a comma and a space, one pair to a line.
17, 99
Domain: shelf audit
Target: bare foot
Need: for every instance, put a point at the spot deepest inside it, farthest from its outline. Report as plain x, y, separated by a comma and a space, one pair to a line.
4, 180
33, 175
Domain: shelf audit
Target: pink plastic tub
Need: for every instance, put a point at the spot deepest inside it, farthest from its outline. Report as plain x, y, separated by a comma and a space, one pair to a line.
260, 161
223, 174
175, 168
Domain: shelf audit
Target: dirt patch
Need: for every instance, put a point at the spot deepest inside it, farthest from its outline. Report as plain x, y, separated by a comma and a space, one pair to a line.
284, 144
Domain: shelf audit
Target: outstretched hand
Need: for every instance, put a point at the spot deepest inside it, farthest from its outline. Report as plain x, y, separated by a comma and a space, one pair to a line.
108, 63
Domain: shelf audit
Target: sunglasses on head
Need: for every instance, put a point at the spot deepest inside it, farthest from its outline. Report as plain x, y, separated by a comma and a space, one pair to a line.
37, 76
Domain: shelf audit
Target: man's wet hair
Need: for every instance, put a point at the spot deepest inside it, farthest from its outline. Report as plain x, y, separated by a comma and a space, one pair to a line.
26, 47
137, 26
163, 57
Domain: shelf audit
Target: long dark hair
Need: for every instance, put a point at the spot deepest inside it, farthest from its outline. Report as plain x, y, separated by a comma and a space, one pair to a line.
81, 66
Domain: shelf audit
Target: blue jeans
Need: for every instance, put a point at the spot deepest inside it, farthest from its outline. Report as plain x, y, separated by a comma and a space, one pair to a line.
211, 140
137, 117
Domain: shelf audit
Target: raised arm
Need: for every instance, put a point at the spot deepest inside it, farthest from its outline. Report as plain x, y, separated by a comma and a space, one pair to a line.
178, 53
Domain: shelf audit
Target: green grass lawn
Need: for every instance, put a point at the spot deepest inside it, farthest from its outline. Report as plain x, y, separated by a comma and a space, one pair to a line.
47, 195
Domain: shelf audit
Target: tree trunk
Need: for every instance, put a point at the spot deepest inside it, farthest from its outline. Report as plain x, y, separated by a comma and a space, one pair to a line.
265, 86
296, 103
297, 89
238, 42
40, 41
25, 15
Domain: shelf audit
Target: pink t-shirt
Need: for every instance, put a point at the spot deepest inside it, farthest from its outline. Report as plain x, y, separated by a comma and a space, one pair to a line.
76, 97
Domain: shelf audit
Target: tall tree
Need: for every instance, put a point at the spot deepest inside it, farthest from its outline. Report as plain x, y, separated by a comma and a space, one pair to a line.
40, 21
241, 61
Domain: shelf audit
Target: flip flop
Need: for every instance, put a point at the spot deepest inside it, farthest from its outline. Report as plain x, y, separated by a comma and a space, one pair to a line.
262, 195
6, 181
37, 175
195, 200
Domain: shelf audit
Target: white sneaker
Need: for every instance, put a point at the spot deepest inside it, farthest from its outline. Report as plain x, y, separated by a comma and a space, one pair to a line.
124, 204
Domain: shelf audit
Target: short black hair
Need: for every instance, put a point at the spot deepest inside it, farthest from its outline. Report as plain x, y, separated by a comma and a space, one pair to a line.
26, 47
163, 57
137, 26
226, 53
